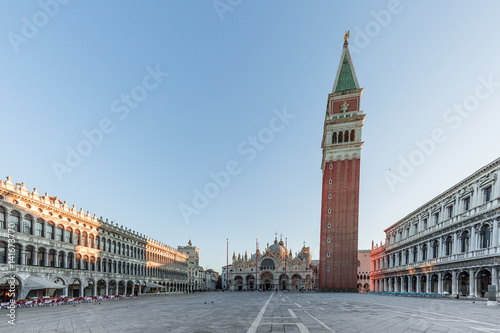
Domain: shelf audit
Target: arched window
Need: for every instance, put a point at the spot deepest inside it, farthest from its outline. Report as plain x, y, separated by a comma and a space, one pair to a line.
68, 233
415, 254
60, 259
109, 246
49, 230
407, 257
15, 218
485, 236
340, 138
424, 252
77, 238
70, 260
353, 135
334, 137
39, 227
52, 258
29, 255
3, 252
97, 242
78, 261
84, 239
3, 223
448, 245
464, 241
434, 250
17, 254
92, 263
28, 225
40, 257
59, 233
346, 136
91, 241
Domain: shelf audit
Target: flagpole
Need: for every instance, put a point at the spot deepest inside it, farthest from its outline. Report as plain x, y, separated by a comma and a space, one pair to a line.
286, 259
256, 257
227, 263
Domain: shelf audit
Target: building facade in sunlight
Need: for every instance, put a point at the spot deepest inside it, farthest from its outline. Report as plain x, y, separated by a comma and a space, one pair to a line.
340, 189
276, 269
364, 264
49, 248
451, 244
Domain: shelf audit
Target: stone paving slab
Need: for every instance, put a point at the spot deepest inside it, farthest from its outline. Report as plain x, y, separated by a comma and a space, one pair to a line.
225, 312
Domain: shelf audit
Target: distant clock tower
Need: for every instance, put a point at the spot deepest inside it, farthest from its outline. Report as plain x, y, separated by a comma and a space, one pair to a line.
341, 164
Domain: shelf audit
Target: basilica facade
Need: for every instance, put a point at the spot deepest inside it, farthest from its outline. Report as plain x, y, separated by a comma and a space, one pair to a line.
450, 245
273, 269
49, 248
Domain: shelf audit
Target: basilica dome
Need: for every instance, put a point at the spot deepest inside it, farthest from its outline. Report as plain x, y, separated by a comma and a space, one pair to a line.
278, 249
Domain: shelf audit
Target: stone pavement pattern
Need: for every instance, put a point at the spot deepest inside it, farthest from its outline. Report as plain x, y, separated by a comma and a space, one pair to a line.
257, 312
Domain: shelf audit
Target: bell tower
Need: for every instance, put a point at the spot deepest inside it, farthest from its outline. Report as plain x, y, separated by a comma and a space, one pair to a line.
340, 189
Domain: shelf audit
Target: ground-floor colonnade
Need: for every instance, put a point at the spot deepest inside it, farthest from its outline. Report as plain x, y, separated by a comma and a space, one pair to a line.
471, 282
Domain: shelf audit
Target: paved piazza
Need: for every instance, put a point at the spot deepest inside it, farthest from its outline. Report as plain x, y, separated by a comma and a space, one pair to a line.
262, 312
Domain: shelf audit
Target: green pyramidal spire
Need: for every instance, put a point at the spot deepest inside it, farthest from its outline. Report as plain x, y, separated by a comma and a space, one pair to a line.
346, 77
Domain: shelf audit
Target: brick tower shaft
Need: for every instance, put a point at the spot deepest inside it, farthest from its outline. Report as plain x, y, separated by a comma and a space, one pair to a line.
340, 190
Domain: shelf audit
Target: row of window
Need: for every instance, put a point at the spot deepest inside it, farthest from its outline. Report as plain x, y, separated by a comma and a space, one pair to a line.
343, 136
436, 217
60, 259
68, 235
406, 256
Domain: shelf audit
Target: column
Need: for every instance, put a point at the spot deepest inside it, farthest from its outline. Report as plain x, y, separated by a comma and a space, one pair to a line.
409, 284
65, 291
455, 243
116, 288
385, 285
494, 277
428, 254
454, 282
428, 283
473, 238
396, 284
401, 284
419, 287
94, 291
440, 283
495, 233
472, 283
56, 260
81, 290
107, 289
440, 247
21, 223
35, 256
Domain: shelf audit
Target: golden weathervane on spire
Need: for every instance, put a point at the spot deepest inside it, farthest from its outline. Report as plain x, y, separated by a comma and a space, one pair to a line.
346, 36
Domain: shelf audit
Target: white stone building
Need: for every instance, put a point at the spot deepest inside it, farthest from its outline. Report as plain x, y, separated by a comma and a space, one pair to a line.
451, 244
196, 276
44, 241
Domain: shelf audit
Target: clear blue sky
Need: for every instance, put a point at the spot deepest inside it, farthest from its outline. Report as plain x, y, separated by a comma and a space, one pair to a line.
67, 71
